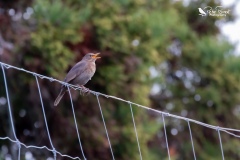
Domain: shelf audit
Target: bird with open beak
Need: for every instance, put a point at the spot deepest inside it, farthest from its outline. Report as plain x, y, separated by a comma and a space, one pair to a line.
80, 73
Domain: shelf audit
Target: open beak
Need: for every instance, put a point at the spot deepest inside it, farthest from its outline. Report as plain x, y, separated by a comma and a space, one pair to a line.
95, 56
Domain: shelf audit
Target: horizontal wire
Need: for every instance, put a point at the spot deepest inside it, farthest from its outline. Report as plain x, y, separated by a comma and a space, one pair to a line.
123, 100
37, 147
230, 133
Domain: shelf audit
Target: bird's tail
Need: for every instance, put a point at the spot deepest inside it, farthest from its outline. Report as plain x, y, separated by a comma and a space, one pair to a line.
62, 92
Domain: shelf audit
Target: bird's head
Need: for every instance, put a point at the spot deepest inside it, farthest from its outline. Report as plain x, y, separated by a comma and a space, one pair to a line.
91, 57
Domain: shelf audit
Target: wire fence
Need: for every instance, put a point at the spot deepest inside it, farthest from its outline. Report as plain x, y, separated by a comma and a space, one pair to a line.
4, 66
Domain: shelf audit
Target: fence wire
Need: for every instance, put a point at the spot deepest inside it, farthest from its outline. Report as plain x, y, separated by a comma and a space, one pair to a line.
230, 131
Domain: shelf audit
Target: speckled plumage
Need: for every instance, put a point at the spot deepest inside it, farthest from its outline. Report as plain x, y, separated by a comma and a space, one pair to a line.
80, 74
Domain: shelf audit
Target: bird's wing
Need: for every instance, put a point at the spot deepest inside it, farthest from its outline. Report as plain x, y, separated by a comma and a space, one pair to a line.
75, 71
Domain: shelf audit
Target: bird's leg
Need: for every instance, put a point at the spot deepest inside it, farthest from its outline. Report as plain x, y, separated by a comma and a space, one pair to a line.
86, 90
81, 90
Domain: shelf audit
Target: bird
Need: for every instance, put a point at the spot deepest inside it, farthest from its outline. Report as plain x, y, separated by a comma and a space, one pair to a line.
202, 13
79, 74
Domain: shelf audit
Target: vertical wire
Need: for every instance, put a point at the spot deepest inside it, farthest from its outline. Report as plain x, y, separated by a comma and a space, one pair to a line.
135, 131
165, 132
191, 140
10, 113
75, 121
220, 141
45, 119
105, 127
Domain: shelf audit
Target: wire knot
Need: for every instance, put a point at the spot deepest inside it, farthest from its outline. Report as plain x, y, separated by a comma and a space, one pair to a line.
54, 153
65, 84
41, 76
95, 93
18, 144
51, 79
166, 114
6, 66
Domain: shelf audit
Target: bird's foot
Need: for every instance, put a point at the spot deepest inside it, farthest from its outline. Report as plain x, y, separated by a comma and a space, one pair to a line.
84, 90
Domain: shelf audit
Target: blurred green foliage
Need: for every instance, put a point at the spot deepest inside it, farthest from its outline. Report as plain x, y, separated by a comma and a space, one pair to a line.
56, 25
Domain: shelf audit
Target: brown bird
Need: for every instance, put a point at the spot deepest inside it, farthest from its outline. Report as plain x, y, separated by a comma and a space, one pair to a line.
80, 73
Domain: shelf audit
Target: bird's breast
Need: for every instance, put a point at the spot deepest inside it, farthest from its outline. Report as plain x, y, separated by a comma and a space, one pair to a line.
86, 75
90, 69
